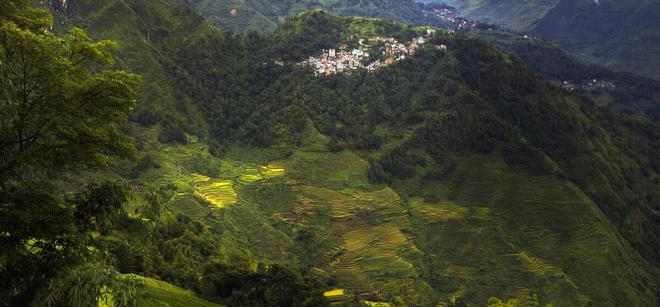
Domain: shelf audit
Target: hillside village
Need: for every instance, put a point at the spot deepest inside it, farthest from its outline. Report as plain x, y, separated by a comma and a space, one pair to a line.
378, 53
450, 18
589, 85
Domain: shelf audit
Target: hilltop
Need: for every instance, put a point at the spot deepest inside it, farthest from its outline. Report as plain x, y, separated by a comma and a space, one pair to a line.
454, 175
264, 15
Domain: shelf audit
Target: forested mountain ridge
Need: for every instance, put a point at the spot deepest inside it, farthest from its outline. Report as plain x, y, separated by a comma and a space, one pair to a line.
242, 16
619, 91
622, 35
453, 176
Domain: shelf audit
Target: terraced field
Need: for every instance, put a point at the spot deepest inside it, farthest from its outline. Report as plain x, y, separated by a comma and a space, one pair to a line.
258, 173
219, 193
360, 225
476, 235
484, 231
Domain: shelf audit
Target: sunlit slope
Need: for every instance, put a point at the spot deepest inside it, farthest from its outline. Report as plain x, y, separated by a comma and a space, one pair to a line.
158, 293
262, 200
485, 230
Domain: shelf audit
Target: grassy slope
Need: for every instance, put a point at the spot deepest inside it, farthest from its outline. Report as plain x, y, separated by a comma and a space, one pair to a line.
158, 293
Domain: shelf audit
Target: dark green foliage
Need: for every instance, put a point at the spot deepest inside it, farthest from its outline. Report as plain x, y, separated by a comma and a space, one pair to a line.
524, 156
172, 133
268, 286
633, 95
305, 34
201, 165
147, 162
62, 109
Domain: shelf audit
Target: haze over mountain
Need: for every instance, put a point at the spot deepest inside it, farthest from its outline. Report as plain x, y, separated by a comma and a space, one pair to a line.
623, 35
453, 174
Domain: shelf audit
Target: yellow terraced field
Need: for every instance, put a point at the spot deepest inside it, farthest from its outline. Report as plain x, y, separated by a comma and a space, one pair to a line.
219, 193
262, 172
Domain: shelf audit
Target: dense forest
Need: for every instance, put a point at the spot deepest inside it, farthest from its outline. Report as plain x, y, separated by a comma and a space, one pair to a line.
473, 175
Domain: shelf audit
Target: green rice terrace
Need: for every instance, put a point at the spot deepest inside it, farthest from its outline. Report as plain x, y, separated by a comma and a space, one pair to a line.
485, 224
359, 227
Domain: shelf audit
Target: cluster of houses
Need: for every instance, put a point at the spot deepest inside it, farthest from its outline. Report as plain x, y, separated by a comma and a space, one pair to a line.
343, 60
334, 61
446, 14
593, 84
449, 16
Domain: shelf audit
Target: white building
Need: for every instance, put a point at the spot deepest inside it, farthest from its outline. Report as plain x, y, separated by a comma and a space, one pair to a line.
332, 53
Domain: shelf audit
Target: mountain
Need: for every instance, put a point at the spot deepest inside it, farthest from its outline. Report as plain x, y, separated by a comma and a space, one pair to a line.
622, 35
264, 15
623, 92
456, 175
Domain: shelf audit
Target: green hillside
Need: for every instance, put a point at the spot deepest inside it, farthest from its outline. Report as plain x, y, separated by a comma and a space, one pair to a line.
622, 92
515, 15
157, 293
452, 176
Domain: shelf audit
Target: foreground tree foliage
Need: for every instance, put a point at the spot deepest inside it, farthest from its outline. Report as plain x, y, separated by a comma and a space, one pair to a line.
61, 108
268, 286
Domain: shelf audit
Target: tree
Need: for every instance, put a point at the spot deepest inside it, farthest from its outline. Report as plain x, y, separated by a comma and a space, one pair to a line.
61, 109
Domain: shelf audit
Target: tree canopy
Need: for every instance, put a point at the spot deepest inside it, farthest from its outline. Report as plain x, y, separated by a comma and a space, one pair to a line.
62, 107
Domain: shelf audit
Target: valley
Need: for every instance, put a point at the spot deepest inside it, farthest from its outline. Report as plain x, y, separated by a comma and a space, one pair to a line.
471, 167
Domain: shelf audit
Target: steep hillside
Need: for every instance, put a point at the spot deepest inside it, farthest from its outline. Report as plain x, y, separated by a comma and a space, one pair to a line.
147, 33
454, 176
515, 15
622, 35
621, 92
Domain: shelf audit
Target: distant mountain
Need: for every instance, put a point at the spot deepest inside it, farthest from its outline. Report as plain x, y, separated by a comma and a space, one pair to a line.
264, 15
623, 35
620, 91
